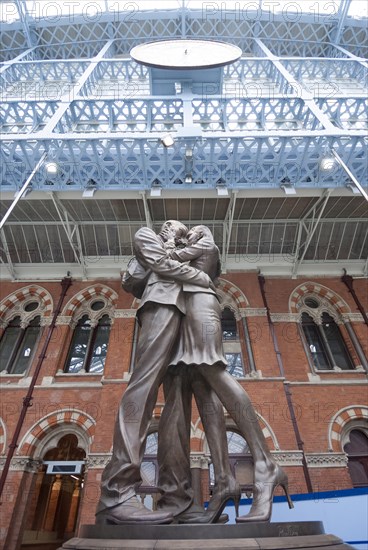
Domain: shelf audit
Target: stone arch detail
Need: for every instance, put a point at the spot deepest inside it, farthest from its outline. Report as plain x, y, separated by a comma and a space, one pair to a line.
339, 421
267, 431
2, 437
232, 297
12, 303
35, 435
318, 290
87, 294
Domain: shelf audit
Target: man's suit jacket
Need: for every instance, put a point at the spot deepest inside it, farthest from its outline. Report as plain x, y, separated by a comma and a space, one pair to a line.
165, 284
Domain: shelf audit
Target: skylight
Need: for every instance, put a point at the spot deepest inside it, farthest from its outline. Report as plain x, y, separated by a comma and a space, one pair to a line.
322, 10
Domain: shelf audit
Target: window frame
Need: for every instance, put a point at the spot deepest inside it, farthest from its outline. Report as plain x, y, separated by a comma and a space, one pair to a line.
316, 315
95, 324
25, 323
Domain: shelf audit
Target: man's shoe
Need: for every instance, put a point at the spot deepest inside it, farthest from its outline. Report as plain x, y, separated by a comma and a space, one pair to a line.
200, 517
132, 512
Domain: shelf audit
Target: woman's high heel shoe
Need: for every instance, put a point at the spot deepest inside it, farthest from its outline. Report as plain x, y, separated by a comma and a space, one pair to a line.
263, 494
225, 490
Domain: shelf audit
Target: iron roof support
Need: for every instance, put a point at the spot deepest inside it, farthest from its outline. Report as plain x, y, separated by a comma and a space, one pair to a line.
227, 227
343, 11
9, 265
22, 191
146, 209
21, 7
319, 207
67, 98
350, 174
71, 230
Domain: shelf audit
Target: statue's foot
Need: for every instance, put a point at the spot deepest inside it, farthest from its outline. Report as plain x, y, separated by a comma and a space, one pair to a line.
132, 512
226, 488
264, 488
200, 518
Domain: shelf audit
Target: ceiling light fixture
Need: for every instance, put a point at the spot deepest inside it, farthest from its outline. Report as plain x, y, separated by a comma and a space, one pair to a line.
327, 163
167, 140
222, 191
288, 188
52, 167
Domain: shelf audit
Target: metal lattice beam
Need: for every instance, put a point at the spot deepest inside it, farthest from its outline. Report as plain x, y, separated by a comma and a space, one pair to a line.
72, 232
9, 264
316, 211
227, 228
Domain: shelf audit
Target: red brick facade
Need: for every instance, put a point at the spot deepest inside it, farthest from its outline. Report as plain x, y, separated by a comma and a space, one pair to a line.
86, 404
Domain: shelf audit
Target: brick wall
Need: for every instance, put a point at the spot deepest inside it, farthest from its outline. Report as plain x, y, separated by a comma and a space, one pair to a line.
315, 403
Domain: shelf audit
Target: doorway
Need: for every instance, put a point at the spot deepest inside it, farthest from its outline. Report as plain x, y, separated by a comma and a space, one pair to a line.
53, 512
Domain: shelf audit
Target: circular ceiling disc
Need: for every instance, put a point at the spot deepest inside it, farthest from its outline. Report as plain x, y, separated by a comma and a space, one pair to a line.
185, 54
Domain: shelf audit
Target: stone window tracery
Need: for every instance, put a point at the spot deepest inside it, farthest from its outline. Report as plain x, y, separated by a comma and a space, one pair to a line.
231, 343
325, 344
20, 337
90, 340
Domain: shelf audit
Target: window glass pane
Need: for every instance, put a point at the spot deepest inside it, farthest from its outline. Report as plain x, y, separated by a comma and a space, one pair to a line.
101, 341
8, 342
315, 343
148, 474
27, 346
228, 324
236, 444
78, 346
336, 343
235, 364
152, 444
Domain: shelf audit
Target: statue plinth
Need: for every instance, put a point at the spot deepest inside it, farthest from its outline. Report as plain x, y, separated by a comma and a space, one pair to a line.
252, 536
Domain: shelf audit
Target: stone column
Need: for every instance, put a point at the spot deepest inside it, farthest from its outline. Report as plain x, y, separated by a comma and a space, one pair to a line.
195, 469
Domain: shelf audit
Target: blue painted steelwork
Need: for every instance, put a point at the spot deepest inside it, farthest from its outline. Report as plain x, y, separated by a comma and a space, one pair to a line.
266, 121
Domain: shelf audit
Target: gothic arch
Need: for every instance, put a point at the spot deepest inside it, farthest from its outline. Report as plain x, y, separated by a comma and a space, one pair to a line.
12, 305
340, 420
325, 293
104, 292
232, 297
40, 436
268, 433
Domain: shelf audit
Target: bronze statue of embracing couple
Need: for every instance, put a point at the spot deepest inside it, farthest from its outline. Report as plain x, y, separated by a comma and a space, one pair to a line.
180, 346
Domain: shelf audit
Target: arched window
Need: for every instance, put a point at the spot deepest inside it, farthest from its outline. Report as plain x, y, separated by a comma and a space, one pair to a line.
325, 344
231, 343
88, 348
228, 324
357, 451
18, 344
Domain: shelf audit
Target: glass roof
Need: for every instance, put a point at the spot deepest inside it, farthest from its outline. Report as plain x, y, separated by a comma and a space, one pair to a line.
42, 9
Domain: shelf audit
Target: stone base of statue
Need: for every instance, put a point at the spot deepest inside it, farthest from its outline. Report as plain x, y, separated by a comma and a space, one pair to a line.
252, 536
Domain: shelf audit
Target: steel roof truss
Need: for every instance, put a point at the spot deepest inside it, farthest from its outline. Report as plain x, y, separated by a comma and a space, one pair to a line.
72, 232
9, 265
316, 211
227, 227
